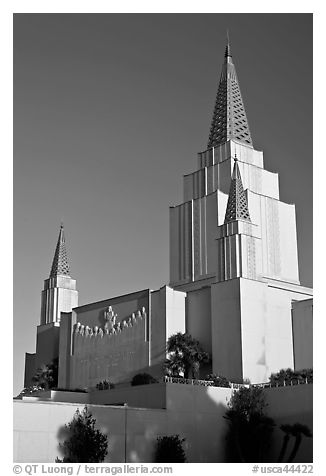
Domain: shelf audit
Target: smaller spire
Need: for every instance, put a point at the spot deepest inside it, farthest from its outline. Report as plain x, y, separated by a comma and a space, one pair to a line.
237, 207
60, 264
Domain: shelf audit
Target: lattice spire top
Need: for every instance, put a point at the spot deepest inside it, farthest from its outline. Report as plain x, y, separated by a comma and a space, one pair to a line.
237, 207
227, 48
229, 117
60, 264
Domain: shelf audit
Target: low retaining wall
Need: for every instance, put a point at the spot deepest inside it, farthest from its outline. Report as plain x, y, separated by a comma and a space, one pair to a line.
194, 412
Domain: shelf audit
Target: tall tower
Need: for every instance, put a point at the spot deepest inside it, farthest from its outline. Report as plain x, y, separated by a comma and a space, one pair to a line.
233, 247
59, 293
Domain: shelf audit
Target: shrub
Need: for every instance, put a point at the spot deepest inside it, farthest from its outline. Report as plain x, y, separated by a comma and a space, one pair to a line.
288, 376
169, 449
30, 391
105, 385
84, 444
143, 379
218, 380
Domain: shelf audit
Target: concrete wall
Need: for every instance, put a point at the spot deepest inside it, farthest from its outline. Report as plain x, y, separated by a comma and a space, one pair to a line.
302, 322
195, 413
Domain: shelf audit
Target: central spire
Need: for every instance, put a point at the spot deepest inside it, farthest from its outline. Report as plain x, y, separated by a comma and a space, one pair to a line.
229, 117
60, 264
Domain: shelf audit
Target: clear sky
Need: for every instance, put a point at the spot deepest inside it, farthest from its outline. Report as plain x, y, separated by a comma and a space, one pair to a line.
110, 111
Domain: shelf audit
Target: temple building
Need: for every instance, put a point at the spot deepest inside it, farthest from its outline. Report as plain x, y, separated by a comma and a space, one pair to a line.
234, 277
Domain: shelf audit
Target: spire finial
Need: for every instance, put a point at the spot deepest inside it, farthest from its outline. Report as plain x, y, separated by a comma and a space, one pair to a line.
60, 264
228, 47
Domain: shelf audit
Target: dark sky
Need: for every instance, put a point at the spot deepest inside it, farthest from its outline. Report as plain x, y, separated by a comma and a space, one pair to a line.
110, 111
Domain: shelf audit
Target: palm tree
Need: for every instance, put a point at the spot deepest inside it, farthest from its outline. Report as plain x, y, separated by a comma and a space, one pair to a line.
185, 355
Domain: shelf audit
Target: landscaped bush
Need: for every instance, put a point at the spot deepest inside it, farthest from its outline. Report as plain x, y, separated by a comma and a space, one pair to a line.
84, 443
169, 449
105, 385
30, 391
218, 380
143, 379
288, 376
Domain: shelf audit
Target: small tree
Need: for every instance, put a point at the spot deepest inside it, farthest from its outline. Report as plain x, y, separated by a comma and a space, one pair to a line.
143, 379
84, 443
169, 449
185, 355
250, 430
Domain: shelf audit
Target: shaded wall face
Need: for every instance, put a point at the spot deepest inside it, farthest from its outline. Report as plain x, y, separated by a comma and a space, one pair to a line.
302, 322
47, 344
30, 369
226, 330
198, 323
290, 405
